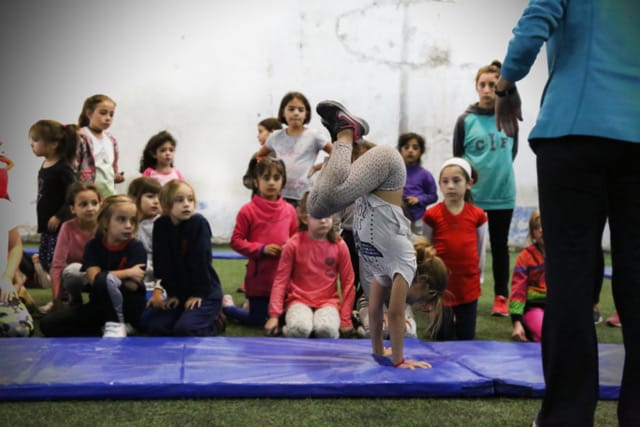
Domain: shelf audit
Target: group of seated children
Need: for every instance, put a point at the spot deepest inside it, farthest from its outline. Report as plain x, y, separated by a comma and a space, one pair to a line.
152, 242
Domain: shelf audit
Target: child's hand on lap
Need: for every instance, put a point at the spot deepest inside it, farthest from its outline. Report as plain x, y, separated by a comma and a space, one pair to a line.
170, 303
156, 302
193, 303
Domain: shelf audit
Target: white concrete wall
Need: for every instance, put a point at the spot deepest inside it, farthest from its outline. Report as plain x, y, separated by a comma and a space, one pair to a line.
208, 71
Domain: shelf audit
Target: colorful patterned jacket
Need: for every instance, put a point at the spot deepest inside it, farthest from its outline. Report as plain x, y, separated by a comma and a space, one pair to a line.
528, 284
85, 164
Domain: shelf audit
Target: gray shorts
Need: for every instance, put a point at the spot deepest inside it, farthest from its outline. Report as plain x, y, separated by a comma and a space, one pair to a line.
383, 239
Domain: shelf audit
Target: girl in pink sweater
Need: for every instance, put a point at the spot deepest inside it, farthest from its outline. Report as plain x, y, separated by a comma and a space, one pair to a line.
66, 278
306, 284
262, 227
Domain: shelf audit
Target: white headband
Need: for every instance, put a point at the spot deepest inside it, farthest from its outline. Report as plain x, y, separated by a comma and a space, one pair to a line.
457, 161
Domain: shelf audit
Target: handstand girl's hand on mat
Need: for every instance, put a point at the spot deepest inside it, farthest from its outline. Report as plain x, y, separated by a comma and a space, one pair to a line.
413, 364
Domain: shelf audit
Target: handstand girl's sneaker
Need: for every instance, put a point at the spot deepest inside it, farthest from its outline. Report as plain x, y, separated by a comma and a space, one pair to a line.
335, 117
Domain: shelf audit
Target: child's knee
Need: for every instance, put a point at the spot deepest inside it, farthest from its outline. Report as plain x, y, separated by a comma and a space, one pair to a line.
297, 330
327, 331
70, 271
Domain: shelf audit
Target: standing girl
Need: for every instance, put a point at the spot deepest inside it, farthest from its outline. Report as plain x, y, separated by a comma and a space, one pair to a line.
157, 158
114, 261
262, 227
66, 277
297, 145
492, 152
182, 261
97, 156
56, 143
382, 232
457, 229
265, 128
420, 189
306, 284
528, 286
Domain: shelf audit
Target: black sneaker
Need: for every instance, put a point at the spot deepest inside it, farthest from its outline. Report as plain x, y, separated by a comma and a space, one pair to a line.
336, 118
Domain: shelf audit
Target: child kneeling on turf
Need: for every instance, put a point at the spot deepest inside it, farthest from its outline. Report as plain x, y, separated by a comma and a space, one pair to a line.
306, 283
528, 286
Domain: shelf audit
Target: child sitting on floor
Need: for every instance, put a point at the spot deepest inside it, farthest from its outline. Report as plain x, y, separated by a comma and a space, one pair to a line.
306, 284
66, 278
144, 191
114, 261
528, 286
182, 261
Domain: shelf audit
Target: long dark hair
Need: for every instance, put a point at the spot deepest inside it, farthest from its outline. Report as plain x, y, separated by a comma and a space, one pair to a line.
148, 160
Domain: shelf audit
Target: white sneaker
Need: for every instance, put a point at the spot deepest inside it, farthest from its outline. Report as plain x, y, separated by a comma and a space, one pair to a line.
114, 330
227, 301
411, 329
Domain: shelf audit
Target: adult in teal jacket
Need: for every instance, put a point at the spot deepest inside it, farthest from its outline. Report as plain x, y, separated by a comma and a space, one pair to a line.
587, 144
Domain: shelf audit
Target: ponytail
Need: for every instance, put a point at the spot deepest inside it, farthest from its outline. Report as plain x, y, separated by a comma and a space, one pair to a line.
430, 282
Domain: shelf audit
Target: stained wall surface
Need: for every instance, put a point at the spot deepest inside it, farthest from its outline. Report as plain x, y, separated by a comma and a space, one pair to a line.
209, 71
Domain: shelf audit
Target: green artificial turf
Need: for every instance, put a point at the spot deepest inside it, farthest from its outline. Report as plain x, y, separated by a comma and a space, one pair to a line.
386, 412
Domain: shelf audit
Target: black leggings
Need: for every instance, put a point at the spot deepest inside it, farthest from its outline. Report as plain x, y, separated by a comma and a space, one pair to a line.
499, 223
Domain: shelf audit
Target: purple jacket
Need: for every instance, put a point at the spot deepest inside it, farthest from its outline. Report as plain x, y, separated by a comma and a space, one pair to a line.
420, 184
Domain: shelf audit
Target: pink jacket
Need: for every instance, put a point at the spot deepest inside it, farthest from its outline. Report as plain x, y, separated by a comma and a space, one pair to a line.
308, 273
258, 223
69, 249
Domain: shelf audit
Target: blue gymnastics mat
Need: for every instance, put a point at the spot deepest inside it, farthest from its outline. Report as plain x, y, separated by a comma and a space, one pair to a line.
163, 368
516, 368
148, 368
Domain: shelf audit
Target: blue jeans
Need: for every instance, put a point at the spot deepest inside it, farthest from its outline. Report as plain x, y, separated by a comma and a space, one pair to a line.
257, 315
583, 181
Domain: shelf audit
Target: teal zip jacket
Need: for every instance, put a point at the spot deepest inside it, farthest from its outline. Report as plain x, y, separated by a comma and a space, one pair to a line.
583, 65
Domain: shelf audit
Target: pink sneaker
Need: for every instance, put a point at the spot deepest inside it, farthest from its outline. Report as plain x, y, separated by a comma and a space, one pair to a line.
614, 320
500, 306
335, 117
